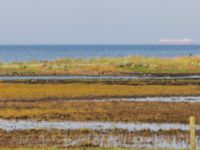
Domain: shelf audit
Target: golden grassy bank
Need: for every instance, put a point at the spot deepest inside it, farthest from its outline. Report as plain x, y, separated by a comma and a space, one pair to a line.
21, 91
101, 111
104, 66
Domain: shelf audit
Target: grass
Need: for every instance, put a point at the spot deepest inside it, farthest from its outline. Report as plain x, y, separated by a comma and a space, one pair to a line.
20, 91
104, 66
101, 111
84, 139
49, 102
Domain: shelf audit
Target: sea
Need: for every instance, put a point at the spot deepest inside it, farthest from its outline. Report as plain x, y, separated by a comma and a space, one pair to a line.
15, 53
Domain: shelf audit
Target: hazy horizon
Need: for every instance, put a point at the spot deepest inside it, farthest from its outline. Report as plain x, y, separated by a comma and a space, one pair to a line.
89, 22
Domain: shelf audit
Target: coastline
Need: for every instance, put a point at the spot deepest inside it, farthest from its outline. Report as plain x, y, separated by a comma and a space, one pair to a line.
119, 66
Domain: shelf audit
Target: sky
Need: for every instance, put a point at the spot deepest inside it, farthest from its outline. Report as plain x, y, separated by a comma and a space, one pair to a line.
98, 21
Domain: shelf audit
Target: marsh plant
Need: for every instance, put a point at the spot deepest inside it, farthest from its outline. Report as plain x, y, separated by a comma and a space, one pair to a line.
104, 66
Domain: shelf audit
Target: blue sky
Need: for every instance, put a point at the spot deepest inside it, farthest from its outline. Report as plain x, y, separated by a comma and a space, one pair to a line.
98, 21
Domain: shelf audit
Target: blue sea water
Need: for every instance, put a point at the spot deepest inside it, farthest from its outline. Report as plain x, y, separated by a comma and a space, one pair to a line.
10, 53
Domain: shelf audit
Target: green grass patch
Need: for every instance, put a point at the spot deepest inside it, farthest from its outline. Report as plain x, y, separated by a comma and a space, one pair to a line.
104, 66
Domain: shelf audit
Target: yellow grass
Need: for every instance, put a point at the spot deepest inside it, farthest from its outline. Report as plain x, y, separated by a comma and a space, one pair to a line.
20, 91
101, 111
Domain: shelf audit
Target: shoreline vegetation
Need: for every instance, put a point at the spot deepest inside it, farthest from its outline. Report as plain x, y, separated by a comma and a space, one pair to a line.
131, 65
49, 100
108, 111
79, 91
36, 137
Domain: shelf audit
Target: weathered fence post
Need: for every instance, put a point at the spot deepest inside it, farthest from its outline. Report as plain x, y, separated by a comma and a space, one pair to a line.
192, 134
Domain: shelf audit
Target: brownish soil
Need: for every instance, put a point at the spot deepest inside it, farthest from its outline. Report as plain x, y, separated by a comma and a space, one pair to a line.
109, 81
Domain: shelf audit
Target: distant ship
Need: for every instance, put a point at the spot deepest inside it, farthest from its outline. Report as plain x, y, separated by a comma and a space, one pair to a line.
176, 41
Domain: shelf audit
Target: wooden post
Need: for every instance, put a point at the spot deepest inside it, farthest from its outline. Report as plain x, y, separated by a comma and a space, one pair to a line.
192, 134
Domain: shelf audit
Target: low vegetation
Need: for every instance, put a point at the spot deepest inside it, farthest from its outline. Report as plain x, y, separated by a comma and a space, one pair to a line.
86, 139
42, 101
104, 66
21, 91
101, 111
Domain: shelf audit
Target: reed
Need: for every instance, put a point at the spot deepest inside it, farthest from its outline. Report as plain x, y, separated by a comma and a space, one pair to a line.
84, 139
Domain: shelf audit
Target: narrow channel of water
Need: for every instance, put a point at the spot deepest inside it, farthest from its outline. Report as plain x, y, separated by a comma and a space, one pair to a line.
176, 99
127, 141
103, 139
70, 125
3, 78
